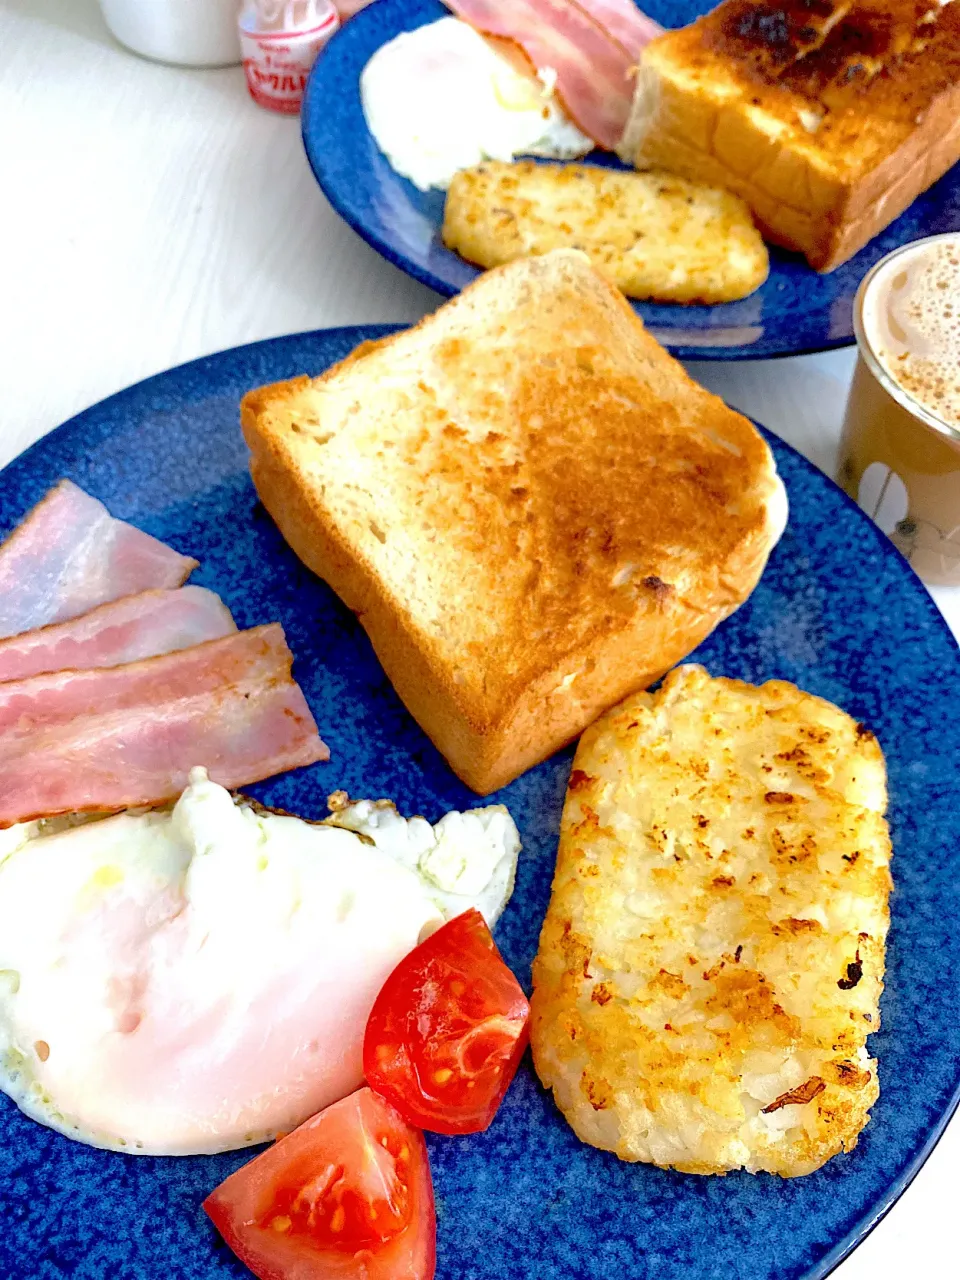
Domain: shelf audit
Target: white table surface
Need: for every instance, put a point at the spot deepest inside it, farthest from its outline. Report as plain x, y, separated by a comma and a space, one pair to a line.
150, 215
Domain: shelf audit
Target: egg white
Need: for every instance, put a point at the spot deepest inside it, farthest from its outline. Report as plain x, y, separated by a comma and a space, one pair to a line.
198, 980
440, 99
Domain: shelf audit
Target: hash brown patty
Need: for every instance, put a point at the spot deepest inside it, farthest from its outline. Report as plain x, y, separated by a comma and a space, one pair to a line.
712, 958
653, 235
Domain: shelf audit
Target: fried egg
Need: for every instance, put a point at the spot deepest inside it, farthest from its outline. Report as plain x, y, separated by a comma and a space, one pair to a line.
198, 979
442, 98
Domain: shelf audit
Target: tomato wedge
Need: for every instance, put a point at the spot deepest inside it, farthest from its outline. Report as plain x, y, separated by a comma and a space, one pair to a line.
448, 1030
348, 1196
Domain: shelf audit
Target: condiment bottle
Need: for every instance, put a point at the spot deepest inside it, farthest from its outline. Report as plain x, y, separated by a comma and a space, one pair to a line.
280, 40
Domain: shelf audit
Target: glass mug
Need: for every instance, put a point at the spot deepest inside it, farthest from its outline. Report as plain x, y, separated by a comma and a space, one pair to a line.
900, 448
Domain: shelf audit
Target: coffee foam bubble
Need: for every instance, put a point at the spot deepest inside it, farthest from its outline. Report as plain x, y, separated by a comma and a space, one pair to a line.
911, 319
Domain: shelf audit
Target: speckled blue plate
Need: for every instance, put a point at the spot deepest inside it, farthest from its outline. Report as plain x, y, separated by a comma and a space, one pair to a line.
838, 611
796, 310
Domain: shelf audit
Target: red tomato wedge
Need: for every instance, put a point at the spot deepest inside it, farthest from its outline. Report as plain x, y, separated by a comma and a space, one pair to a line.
448, 1030
348, 1196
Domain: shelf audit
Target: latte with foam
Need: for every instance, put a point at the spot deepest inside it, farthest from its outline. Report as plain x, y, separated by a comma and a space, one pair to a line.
900, 451
911, 320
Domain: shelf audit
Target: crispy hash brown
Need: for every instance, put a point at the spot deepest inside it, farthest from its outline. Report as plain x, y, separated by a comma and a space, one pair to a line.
712, 959
652, 234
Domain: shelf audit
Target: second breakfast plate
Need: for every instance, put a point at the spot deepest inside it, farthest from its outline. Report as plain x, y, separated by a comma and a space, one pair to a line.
796, 310
837, 611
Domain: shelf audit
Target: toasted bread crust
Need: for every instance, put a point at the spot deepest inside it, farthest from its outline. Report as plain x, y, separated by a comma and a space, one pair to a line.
530, 506
828, 122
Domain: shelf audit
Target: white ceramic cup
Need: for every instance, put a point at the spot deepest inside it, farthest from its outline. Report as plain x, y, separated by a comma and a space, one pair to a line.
189, 33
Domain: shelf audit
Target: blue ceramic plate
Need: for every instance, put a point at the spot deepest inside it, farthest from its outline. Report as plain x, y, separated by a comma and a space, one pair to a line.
838, 611
796, 311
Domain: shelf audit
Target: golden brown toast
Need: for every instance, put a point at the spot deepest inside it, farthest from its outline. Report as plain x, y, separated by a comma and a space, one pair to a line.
530, 506
828, 117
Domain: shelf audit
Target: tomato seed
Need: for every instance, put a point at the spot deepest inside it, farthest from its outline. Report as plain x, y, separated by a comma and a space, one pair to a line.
443, 1075
281, 1223
339, 1219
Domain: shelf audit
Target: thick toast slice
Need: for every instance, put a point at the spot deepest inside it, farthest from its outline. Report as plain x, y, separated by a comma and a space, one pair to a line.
712, 959
828, 118
530, 506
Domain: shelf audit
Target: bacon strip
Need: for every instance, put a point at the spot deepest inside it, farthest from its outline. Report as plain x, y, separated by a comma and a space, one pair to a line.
593, 68
624, 21
106, 739
70, 555
140, 626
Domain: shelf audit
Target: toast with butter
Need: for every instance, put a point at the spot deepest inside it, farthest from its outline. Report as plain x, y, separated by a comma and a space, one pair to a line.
827, 118
530, 506
712, 959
